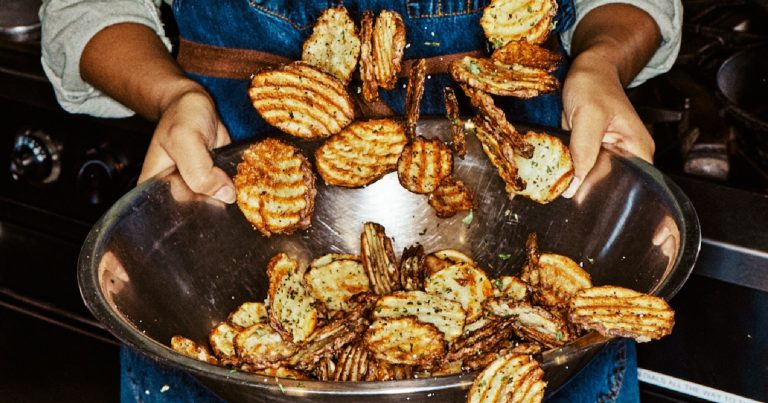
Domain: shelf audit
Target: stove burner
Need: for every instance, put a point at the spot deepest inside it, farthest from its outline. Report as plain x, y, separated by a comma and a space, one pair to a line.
694, 133
19, 21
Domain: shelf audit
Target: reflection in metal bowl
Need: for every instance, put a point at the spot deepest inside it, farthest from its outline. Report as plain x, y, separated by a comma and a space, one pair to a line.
189, 261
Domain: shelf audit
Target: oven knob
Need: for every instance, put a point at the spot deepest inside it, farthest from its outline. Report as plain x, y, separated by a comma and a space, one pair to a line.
35, 158
100, 176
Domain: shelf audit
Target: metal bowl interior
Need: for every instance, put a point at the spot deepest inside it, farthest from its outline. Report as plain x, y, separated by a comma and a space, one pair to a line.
165, 262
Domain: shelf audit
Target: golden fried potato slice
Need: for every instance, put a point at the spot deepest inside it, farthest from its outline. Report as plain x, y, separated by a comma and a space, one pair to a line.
443, 258
500, 152
292, 310
423, 164
413, 93
510, 287
282, 372
480, 341
379, 259
510, 378
495, 121
412, 270
222, 341
248, 314
532, 323
555, 279
191, 349
548, 172
527, 54
333, 45
334, 278
388, 47
344, 328
505, 20
370, 86
618, 311
325, 369
261, 346
405, 340
275, 187
451, 197
501, 79
353, 363
384, 371
458, 137
448, 316
464, 283
302, 100
362, 153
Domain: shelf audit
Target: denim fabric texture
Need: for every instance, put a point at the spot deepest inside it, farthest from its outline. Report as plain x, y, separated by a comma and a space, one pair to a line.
434, 27
611, 376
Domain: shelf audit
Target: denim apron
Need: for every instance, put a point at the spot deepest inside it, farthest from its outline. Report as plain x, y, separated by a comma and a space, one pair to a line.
433, 28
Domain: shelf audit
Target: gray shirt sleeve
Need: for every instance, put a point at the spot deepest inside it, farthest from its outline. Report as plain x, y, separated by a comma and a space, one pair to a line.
67, 26
668, 16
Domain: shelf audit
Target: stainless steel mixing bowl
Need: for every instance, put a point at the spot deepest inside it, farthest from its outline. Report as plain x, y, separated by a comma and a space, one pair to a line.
165, 262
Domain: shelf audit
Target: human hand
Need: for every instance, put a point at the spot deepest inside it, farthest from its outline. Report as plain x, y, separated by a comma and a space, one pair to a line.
596, 110
188, 129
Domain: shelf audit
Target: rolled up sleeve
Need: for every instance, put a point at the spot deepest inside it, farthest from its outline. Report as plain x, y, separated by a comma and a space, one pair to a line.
67, 26
669, 18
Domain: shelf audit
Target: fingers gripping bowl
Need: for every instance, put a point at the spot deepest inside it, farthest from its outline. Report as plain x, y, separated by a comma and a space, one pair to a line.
164, 261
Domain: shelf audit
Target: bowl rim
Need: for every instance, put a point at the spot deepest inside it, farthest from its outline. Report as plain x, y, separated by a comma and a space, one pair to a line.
126, 332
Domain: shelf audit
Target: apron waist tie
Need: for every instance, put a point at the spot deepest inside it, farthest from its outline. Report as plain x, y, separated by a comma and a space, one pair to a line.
240, 64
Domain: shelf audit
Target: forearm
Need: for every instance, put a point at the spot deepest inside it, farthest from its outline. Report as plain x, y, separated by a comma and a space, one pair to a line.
129, 63
618, 38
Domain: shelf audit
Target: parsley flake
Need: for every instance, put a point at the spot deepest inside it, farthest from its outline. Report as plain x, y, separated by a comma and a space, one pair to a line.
468, 218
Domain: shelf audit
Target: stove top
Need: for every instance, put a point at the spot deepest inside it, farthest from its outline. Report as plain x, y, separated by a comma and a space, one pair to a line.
694, 132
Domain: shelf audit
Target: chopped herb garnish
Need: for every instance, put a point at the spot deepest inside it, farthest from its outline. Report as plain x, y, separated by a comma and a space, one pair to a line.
435, 44
504, 256
590, 260
473, 67
468, 218
559, 336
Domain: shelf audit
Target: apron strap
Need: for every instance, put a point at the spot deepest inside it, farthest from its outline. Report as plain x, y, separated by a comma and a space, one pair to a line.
240, 64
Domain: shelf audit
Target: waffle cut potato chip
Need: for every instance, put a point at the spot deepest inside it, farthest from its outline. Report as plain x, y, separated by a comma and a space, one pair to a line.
333, 46
510, 378
334, 278
412, 270
388, 47
510, 287
499, 150
222, 341
362, 153
464, 283
548, 172
405, 340
532, 323
527, 54
302, 100
448, 316
423, 164
451, 197
554, 278
458, 137
261, 347
379, 259
275, 187
413, 94
505, 20
292, 311
618, 311
494, 120
248, 314
443, 258
370, 86
513, 80
191, 349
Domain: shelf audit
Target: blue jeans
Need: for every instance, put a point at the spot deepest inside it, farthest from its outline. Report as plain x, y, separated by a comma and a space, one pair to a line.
611, 376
